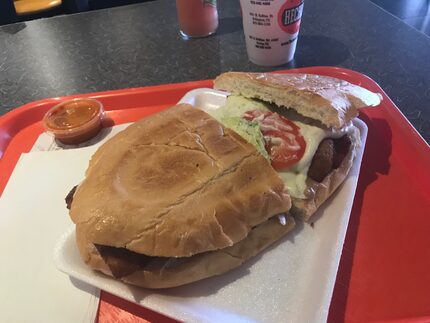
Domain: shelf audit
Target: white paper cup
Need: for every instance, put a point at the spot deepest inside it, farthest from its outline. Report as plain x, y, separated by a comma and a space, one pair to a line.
271, 29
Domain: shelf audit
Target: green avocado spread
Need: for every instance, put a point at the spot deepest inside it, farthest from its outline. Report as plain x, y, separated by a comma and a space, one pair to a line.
230, 115
250, 131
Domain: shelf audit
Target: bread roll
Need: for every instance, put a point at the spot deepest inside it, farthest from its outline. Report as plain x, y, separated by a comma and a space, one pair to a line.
176, 184
329, 100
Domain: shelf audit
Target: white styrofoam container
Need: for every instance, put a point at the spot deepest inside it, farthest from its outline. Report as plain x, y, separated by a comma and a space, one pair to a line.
292, 281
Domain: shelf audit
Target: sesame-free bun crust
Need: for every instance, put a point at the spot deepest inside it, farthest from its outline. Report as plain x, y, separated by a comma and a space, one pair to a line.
175, 184
332, 101
168, 272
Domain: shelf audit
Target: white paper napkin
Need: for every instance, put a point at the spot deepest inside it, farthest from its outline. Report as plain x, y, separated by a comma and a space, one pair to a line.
33, 216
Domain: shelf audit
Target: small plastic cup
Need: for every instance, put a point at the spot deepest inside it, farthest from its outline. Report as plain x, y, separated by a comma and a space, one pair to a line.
74, 121
197, 18
271, 30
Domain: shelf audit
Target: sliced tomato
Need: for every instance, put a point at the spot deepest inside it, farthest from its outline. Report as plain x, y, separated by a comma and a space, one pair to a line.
284, 143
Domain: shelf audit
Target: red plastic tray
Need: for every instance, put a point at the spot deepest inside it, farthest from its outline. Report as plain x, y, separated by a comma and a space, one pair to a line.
384, 273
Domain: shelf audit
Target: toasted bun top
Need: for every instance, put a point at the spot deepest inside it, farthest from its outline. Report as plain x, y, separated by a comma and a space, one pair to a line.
332, 101
175, 184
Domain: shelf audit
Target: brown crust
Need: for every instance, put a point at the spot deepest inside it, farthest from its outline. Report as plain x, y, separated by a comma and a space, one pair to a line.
165, 273
320, 191
176, 184
332, 101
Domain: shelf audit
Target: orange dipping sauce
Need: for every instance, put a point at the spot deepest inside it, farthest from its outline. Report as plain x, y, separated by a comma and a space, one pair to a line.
74, 121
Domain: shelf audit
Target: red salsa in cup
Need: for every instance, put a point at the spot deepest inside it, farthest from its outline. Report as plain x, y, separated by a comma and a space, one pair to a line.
74, 121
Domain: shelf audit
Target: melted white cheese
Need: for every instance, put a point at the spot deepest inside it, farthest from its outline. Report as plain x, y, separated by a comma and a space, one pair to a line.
294, 177
282, 219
